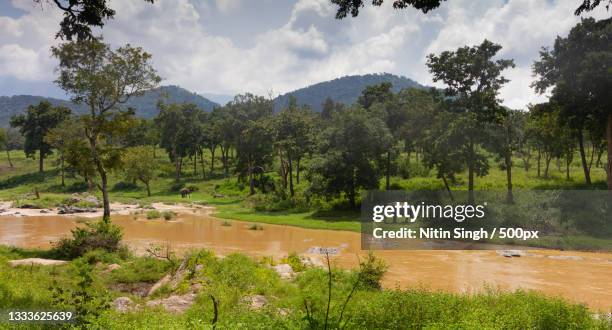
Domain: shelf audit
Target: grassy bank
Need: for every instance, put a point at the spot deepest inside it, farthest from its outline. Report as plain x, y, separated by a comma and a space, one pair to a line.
290, 304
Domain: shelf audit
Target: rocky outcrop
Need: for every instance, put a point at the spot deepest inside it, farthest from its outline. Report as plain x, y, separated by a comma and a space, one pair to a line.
284, 271
255, 302
174, 303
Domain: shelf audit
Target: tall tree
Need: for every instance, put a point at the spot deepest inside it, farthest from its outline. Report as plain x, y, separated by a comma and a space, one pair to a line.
473, 80
60, 138
254, 151
349, 155
104, 79
35, 124
576, 71
139, 164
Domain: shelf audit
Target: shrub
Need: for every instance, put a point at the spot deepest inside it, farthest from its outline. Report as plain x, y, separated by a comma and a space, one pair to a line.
168, 215
145, 269
192, 188
125, 186
294, 260
95, 235
177, 186
372, 271
153, 214
255, 227
78, 186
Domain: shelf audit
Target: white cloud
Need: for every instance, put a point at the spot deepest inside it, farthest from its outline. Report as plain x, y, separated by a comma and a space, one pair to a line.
309, 47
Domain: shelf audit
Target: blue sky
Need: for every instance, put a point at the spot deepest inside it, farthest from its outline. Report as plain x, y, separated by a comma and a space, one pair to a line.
274, 46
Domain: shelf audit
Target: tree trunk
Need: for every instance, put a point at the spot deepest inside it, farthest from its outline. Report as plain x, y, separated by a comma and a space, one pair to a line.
297, 170
62, 168
548, 158
202, 163
40, 161
509, 195
8, 156
587, 174
212, 158
251, 182
539, 162
291, 192
388, 174
450, 194
177, 169
195, 164
568, 161
148, 188
609, 141
471, 175
104, 180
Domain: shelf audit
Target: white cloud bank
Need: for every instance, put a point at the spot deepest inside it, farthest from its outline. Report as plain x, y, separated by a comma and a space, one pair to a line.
310, 47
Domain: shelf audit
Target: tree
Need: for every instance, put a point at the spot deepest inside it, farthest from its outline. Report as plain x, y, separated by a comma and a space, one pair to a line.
13, 140
254, 151
35, 124
589, 5
139, 164
180, 132
575, 70
349, 155
81, 15
104, 79
473, 80
353, 6
61, 138
293, 129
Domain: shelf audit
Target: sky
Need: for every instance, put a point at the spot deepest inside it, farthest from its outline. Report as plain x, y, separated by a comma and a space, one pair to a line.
276, 46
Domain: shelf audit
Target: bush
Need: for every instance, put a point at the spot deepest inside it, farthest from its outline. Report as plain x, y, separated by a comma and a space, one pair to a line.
372, 271
153, 214
78, 186
177, 186
192, 188
145, 269
168, 215
295, 262
125, 186
95, 235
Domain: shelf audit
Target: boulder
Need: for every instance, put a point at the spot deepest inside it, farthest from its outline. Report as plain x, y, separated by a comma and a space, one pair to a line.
511, 253
36, 261
256, 301
72, 210
122, 304
112, 267
174, 303
164, 280
284, 271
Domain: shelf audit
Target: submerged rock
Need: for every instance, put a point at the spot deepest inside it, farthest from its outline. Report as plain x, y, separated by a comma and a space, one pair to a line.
511, 253
36, 261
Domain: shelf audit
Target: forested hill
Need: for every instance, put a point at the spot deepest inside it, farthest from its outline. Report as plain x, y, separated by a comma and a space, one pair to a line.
145, 105
344, 90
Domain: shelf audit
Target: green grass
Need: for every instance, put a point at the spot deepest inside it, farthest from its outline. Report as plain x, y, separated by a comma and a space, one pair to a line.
236, 276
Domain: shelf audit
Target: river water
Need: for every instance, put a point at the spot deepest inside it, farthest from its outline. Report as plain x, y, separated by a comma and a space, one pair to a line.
582, 277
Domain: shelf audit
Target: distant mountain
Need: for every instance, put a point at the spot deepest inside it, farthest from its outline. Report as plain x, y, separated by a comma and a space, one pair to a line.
345, 89
222, 99
145, 105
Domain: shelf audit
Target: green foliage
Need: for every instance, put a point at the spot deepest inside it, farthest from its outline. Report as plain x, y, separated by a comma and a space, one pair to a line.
294, 260
140, 269
93, 236
168, 215
372, 270
153, 214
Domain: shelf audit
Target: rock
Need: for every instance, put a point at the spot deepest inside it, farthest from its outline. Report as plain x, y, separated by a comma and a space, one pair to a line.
511, 253
44, 211
283, 311
256, 301
122, 304
216, 195
199, 267
77, 198
284, 271
195, 287
565, 257
112, 267
72, 210
321, 250
36, 261
174, 303
27, 206
159, 284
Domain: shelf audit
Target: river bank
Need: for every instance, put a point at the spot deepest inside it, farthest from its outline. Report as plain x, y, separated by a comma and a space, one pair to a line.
554, 273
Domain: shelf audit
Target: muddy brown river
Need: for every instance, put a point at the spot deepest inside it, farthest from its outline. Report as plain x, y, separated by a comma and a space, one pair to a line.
581, 277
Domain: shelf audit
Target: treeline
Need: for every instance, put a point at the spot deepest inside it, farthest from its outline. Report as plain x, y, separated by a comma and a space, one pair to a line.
346, 149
